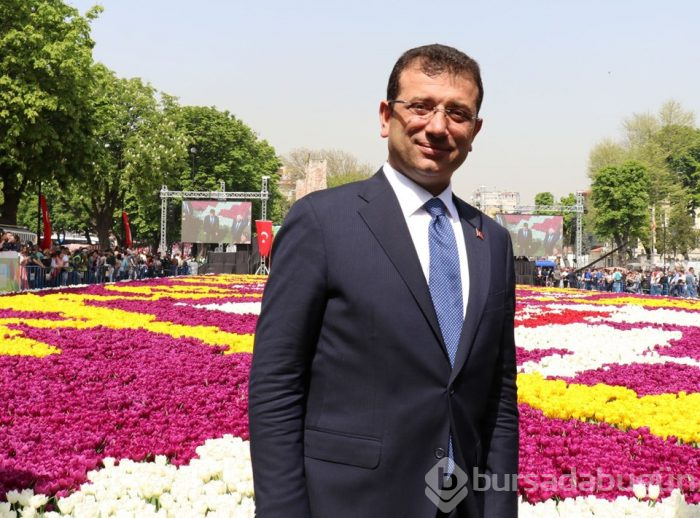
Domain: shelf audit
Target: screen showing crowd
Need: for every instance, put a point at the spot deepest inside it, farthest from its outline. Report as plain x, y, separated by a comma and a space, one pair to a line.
534, 235
211, 221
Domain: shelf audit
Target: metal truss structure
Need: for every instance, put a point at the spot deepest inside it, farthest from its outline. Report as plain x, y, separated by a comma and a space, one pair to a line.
578, 209
221, 195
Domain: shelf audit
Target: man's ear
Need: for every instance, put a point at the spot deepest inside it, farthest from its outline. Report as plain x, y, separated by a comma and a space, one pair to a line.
475, 131
385, 112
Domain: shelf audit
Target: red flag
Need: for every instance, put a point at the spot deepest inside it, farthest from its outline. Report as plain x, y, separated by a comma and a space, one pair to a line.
264, 229
127, 229
46, 240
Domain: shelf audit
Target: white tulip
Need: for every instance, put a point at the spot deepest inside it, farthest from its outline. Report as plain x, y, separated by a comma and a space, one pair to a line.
639, 490
654, 491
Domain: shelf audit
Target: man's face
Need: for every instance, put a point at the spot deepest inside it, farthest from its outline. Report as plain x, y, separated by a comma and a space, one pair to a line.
429, 150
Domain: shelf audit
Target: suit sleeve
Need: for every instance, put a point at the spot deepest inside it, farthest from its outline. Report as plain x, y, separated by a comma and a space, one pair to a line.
286, 335
502, 439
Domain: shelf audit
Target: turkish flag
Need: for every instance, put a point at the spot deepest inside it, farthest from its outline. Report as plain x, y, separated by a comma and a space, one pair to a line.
46, 240
127, 229
264, 229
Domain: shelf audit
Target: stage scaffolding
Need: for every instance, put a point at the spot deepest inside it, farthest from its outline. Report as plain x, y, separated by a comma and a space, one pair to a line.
220, 195
577, 209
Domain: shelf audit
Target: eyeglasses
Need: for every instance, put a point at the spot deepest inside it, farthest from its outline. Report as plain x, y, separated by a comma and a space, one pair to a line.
426, 111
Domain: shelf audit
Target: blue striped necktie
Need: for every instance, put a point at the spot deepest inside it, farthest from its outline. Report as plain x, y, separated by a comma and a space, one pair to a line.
445, 284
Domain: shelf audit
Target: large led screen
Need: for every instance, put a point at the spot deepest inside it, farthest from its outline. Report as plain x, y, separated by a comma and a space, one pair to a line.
534, 235
211, 221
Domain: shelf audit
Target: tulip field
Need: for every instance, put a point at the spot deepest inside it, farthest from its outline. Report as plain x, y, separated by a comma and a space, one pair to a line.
130, 399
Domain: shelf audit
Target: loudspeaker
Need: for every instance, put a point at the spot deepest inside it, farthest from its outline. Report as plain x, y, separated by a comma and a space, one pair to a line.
221, 262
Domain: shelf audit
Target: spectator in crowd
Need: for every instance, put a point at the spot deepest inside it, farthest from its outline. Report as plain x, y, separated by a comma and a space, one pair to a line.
655, 282
588, 279
556, 278
633, 281
677, 283
24, 259
691, 283
57, 266
617, 281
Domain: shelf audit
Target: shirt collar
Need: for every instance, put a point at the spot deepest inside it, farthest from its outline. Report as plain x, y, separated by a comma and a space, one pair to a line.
412, 196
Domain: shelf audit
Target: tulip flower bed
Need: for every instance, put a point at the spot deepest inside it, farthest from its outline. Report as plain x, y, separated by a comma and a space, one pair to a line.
132, 398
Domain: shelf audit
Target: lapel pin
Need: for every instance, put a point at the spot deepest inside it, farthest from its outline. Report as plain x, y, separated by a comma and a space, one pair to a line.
479, 234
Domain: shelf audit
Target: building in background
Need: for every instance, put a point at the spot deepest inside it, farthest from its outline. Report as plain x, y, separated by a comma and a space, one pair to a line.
314, 178
492, 202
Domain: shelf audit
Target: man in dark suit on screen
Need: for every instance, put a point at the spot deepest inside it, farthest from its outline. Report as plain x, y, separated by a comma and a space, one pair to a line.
240, 229
383, 377
210, 226
524, 241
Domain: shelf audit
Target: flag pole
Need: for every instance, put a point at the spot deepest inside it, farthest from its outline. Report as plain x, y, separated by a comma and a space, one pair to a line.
38, 215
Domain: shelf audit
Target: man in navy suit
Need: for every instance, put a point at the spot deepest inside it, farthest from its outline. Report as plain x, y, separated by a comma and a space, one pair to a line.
357, 396
524, 241
211, 227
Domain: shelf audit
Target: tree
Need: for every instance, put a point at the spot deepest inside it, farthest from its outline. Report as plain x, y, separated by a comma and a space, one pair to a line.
543, 199
674, 228
668, 145
134, 148
621, 199
607, 152
673, 114
227, 149
45, 105
682, 145
569, 218
650, 140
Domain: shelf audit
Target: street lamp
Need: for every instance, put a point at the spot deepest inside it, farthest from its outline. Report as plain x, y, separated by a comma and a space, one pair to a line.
664, 237
193, 151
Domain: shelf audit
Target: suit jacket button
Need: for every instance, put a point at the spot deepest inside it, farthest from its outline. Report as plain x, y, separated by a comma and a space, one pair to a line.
452, 391
439, 453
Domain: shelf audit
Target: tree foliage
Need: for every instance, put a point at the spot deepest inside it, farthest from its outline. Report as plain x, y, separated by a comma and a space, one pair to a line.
227, 150
98, 144
135, 147
45, 105
668, 145
543, 199
569, 218
621, 198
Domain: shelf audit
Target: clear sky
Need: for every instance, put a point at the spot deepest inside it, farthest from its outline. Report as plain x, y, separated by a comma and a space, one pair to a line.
558, 75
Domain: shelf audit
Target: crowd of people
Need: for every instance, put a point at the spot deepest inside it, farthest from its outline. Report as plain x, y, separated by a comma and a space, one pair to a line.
674, 281
59, 266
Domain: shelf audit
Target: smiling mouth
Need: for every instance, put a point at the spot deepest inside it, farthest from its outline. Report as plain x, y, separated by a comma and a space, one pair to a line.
429, 149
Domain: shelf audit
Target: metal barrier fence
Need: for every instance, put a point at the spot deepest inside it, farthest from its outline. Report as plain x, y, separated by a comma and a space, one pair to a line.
34, 277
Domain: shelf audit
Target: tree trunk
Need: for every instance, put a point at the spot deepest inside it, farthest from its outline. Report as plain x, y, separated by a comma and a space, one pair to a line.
103, 224
620, 244
11, 192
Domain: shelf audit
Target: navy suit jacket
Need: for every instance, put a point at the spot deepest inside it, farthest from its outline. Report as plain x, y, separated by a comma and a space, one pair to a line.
352, 397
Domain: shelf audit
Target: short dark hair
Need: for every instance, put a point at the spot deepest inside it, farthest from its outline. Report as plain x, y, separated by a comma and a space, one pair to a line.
435, 59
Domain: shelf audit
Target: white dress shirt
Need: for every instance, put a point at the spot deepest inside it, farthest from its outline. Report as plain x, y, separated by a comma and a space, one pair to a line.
412, 197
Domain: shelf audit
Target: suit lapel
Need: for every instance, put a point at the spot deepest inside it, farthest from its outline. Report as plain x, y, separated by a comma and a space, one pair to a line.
479, 263
383, 216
